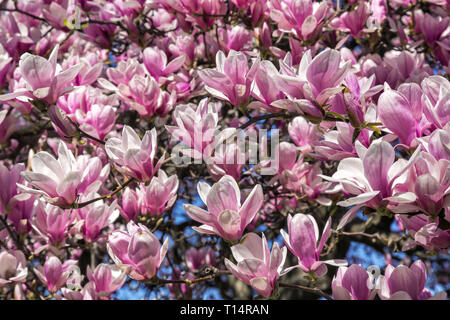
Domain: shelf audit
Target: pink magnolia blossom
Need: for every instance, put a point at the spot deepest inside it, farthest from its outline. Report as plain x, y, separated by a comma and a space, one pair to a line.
401, 111
302, 17
406, 283
231, 79
337, 144
53, 222
425, 232
54, 274
106, 278
134, 157
302, 240
353, 283
303, 133
353, 21
137, 252
43, 78
266, 88
196, 259
61, 180
130, 204
9, 178
196, 128
228, 160
436, 97
372, 178
159, 195
225, 216
256, 264
155, 60
315, 82
95, 217
13, 267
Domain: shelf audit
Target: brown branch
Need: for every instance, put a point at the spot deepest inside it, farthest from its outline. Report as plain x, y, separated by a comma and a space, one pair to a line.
106, 196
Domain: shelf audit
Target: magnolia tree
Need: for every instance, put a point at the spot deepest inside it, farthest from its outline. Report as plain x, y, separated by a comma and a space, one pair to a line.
224, 148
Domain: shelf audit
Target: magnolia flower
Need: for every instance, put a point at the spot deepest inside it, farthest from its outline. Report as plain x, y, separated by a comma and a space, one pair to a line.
134, 157
303, 18
373, 178
9, 179
401, 111
43, 78
436, 98
231, 79
155, 60
406, 283
302, 240
54, 274
13, 267
353, 21
137, 252
159, 195
61, 181
225, 216
256, 264
196, 127
198, 258
315, 82
95, 217
130, 204
52, 222
106, 278
303, 133
353, 283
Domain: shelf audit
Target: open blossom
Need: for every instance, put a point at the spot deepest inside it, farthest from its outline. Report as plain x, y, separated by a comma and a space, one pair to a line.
429, 180
106, 278
231, 79
302, 239
137, 252
317, 80
256, 264
425, 232
61, 180
229, 160
54, 274
155, 60
134, 157
96, 216
337, 144
353, 283
303, 18
303, 133
226, 217
353, 21
159, 195
406, 283
196, 127
43, 78
373, 178
436, 97
266, 87
13, 267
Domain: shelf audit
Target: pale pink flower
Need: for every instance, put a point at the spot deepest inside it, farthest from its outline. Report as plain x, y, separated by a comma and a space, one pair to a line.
226, 217
256, 264
137, 252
